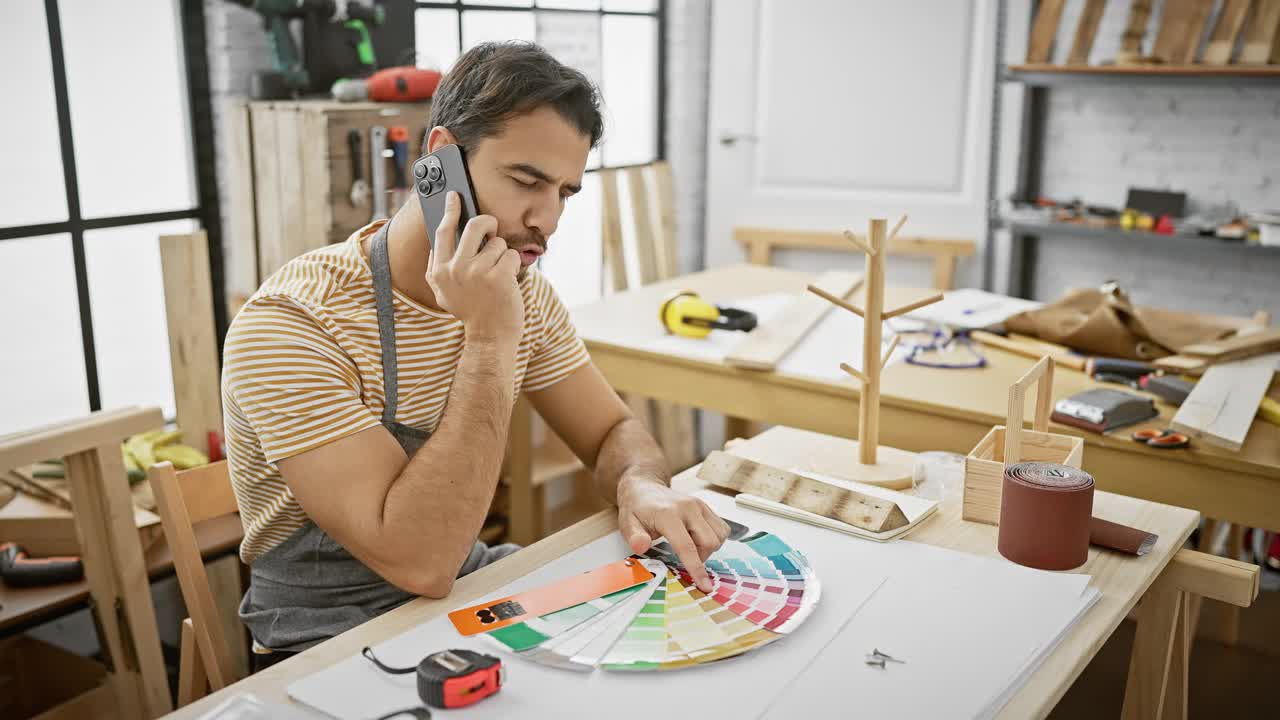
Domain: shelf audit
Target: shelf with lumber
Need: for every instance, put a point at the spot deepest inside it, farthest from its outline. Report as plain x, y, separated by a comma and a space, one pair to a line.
1046, 75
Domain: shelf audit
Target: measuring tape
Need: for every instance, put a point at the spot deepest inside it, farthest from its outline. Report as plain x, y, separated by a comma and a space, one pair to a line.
452, 678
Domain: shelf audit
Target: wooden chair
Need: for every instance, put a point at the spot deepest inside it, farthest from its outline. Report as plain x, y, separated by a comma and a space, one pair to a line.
946, 252
184, 499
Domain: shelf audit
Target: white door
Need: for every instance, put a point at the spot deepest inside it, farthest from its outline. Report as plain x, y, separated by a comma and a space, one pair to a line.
824, 113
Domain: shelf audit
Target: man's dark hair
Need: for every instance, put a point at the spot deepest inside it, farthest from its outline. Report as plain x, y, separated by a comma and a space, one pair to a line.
495, 81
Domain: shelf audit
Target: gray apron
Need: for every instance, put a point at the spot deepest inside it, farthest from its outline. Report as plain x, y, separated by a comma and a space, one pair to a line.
309, 588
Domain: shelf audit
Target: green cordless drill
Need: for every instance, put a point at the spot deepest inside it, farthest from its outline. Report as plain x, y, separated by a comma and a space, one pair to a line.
336, 37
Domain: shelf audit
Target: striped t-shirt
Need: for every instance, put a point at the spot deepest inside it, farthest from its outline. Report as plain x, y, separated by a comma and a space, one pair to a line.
302, 367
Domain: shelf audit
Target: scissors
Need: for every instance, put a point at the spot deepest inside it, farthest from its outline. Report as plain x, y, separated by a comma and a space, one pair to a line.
1165, 439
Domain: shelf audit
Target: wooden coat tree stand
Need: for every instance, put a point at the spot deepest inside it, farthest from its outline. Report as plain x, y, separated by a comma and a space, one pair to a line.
883, 466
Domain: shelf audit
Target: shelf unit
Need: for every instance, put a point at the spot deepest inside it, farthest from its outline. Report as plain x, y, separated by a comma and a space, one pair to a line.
1039, 79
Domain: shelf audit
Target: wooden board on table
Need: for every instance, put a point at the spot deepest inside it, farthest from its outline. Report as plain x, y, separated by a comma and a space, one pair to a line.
1237, 347
1086, 30
860, 510
193, 345
1220, 408
1044, 30
764, 347
1181, 24
1225, 31
1260, 35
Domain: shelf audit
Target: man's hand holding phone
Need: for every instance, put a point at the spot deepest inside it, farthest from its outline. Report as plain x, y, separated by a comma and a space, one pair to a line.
474, 277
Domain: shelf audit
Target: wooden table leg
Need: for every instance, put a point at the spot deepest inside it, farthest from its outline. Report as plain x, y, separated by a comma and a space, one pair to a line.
118, 581
1150, 682
527, 510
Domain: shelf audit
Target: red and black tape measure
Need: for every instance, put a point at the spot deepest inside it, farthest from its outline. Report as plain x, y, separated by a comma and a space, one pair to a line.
452, 678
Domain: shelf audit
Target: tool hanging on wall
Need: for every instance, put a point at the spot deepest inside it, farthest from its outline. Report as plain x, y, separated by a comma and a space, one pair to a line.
688, 315
377, 169
359, 186
395, 84
398, 137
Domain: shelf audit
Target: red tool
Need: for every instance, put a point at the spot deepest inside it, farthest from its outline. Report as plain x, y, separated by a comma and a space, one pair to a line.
19, 570
452, 678
1162, 439
402, 84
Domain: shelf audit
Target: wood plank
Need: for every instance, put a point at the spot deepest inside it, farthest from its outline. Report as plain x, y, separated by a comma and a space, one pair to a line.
1181, 24
1261, 34
193, 344
773, 238
1044, 30
1222, 41
646, 250
611, 230
266, 170
314, 162
1237, 347
1137, 71
105, 427
1026, 349
241, 236
764, 347
117, 577
860, 510
289, 152
226, 584
1220, 408
1135, 31
1086, 30
192, 683
669, 249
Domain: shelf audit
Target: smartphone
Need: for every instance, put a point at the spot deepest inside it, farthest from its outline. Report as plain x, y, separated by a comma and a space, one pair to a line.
435, 174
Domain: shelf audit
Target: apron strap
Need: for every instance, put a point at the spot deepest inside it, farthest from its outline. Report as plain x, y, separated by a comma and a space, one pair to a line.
380, 263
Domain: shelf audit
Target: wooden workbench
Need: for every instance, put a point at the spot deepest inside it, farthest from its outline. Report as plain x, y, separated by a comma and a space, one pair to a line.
921, 408
1121, 581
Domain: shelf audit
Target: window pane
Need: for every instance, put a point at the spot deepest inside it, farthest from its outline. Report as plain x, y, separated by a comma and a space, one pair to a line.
573, 262
42, 376
573, 39
631, 5
570, 4
131, 335
436, 38
630, 89
126, 79
485, 25
33, 189
514, 3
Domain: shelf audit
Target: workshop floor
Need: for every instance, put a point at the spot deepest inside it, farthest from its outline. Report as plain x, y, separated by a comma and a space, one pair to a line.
1225, 682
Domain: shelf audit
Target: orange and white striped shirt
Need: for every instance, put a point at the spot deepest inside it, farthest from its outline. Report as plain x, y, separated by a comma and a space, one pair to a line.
302, 367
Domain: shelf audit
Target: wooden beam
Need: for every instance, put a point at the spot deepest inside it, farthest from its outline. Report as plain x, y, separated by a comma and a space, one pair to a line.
1149, 684
1220, 408
1217, 578
764, 347
611, 230
1222, 41
642, 218
102, 428
1135, 30
774, 238
1043, 31
193, 344
1086, 30
1181, 25
1260, 39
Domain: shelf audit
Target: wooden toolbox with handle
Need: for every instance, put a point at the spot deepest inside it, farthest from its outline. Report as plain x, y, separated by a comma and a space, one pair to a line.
1011, 443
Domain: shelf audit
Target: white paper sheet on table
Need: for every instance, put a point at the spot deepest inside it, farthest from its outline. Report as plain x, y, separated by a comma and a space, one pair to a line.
967, 625
835, 339
970, 308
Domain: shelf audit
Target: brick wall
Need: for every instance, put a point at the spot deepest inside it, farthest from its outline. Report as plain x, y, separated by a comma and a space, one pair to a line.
1218, 144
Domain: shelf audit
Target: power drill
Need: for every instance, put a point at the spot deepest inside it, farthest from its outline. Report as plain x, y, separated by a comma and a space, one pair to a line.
337, 40
18, 570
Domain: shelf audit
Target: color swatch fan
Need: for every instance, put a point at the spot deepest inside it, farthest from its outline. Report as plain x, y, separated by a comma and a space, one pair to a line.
762, 589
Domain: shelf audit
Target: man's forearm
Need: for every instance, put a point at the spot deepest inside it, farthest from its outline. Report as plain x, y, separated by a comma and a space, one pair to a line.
435, 508
628, 451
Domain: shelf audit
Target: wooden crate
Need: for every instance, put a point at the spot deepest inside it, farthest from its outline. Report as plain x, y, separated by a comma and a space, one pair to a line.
290, 177
1011, 443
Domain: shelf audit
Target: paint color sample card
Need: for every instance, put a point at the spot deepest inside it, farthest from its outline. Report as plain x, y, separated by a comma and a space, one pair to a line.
547, 599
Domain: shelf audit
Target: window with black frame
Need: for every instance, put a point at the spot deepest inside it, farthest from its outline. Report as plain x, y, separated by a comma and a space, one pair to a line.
616, 43
98, 150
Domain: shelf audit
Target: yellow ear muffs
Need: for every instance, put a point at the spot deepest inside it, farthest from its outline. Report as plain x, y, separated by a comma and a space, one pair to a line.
688, 315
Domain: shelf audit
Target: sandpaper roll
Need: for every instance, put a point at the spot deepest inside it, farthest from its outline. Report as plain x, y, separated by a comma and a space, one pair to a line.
1121, 538
1045, 515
